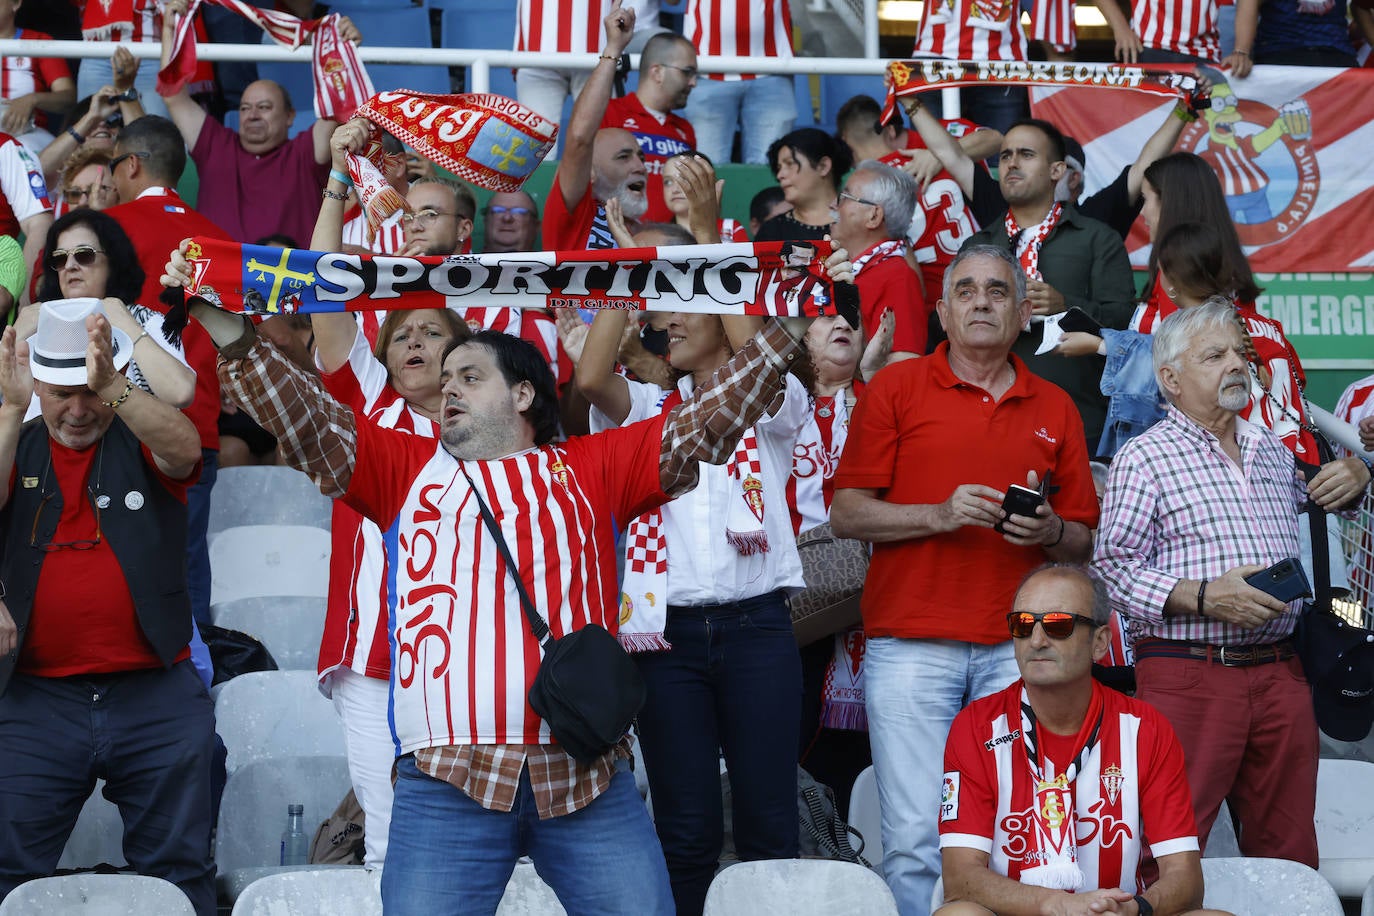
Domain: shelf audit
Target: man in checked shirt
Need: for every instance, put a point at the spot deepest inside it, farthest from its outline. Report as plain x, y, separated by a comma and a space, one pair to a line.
1193, 506
479, 781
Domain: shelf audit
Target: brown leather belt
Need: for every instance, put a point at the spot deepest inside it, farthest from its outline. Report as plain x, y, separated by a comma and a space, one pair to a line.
1227, 656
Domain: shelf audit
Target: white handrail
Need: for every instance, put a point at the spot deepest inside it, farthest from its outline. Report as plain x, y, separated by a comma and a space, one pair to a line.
476, 58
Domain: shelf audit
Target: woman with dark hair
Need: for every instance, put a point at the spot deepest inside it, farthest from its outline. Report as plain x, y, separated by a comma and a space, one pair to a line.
89, 254
809, 164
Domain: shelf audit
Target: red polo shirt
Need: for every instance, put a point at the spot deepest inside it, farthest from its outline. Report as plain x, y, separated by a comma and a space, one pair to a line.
917, 434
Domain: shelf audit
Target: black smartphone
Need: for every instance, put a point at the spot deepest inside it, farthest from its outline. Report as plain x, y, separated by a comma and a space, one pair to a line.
1285, 580
1075, 319
1019, 500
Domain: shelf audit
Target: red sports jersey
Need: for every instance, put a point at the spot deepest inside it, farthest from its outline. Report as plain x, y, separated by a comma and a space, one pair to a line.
25, 193
1052, 23
567, 26
1183, 26
971, 30
464, 656
24, 75
739, 28
942, 221
658, 140
1130, 793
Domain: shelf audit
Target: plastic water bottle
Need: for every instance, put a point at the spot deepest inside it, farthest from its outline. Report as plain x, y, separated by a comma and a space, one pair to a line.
294, 843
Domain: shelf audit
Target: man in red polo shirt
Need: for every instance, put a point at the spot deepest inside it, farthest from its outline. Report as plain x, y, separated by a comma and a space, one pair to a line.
149, 158
667, 74
933, 446
871, 217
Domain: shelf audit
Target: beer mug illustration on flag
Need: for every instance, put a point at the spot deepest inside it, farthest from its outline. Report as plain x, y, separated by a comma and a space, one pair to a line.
1297, 119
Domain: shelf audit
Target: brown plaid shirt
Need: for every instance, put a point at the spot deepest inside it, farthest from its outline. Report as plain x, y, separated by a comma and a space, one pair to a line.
318, 435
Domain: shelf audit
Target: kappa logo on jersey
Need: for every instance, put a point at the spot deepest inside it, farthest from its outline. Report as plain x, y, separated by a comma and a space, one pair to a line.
1002, 739
949, 797
1264, 160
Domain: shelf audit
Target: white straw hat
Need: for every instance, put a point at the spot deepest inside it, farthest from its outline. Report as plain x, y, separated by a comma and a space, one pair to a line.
57, 350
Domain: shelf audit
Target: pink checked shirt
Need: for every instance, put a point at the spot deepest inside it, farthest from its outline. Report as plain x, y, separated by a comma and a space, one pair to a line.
1177, 507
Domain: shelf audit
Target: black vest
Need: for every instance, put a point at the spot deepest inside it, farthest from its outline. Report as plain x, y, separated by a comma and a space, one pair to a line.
149, 541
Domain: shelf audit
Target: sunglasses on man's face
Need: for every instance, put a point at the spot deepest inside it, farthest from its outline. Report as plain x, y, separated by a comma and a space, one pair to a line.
1057, 624
84, 255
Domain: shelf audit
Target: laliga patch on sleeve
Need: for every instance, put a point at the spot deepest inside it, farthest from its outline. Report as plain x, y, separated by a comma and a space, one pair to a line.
949, 797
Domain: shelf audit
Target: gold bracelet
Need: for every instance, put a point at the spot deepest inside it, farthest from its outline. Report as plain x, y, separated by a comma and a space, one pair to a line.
615, 57
128, 390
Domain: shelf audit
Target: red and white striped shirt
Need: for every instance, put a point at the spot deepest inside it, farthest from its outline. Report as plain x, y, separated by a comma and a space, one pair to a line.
135, 20
464, 655
1183, 26
1052, 23
25, 193
971, 30
566, 26
1236, 167
739, 28
390, 237
1357, 401
355, 623
1130, 785
22, 76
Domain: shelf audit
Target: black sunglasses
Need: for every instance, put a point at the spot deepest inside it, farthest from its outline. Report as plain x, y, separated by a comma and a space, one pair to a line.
115, 162
1057, 624
83, 254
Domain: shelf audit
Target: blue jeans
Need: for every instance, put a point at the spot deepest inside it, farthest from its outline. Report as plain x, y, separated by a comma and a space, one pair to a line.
914, 688
197, 546
731, 682
763, 108
446, 854
148, 734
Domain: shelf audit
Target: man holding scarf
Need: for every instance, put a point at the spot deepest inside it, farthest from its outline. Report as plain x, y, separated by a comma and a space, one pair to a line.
1087, 773
264, 184
1070, 261
480, 781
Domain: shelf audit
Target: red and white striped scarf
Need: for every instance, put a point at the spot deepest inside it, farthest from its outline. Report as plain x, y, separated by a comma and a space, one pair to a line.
1028, 243
644, 594
341, 81
891, 248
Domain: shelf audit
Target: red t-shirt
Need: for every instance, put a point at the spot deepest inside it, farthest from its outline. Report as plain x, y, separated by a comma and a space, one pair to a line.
1131, 791
582, 228
890, 283
83, 619
156, 224
916, 435
251, 196
658, 140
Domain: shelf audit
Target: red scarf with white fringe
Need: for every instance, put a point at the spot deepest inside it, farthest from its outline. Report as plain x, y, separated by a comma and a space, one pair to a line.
341, 81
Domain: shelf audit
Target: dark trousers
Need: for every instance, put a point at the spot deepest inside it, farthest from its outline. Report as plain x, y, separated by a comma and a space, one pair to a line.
731, 682
197, 545
148, 734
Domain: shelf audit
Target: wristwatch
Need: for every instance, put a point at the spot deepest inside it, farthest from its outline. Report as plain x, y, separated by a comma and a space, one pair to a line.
1143, 906
129, 95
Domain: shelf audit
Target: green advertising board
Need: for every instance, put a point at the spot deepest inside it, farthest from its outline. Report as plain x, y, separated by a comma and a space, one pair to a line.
1329, 318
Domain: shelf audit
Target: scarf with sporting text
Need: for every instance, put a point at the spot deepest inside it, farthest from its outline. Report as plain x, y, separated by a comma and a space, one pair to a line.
763, 279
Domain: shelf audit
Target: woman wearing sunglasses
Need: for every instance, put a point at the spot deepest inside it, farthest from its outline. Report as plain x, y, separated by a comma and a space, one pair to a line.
89, 254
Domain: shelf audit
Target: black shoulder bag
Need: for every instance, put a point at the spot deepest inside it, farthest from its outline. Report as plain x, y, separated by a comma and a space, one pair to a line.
587, 688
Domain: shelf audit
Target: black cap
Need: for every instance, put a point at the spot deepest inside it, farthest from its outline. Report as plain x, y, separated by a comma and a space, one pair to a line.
1338, 660
1075, 149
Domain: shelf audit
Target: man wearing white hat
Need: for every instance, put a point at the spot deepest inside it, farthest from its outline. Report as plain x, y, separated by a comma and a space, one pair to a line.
95, 676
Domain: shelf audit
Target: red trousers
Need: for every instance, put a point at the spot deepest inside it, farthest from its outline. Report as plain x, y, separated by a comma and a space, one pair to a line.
1249, 738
